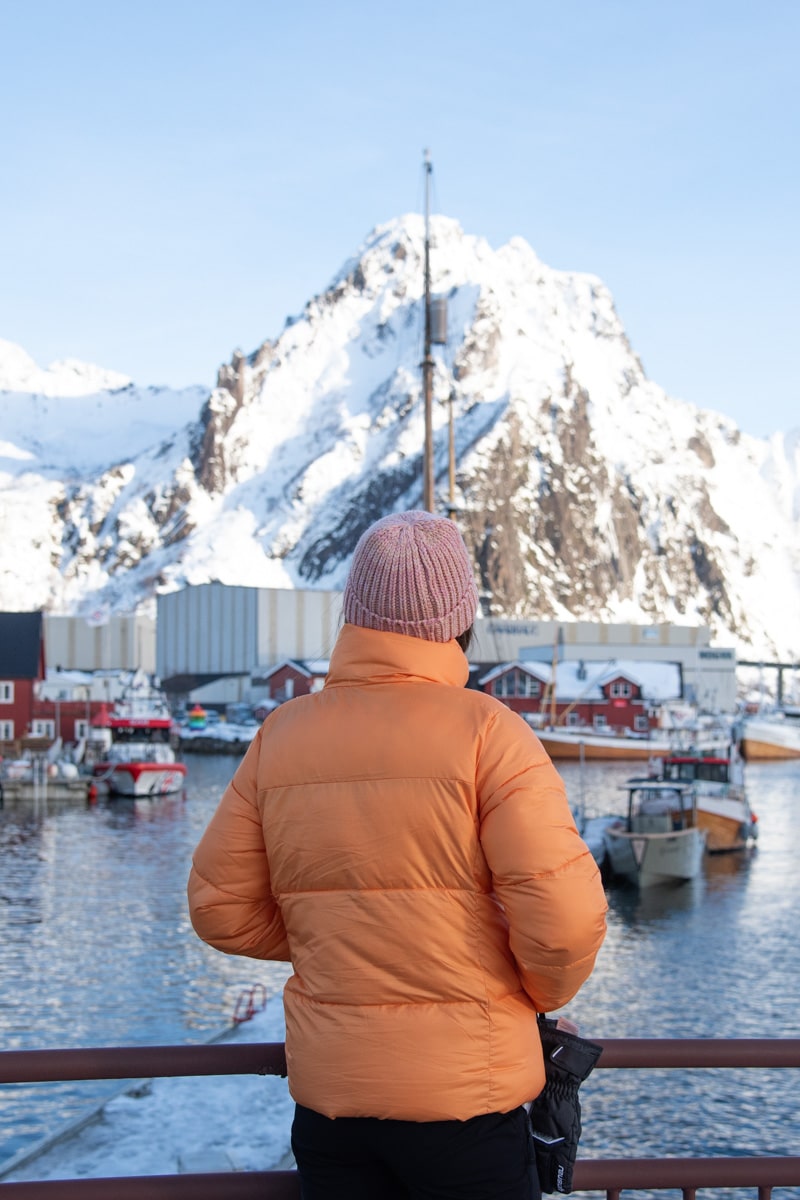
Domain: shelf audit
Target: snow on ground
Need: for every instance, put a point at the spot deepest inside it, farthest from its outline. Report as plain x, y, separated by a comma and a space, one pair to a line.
221, 731
146, 1129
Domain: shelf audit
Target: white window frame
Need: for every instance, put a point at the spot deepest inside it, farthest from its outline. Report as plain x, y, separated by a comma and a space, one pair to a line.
43, 727
6, 731
517, 684
83, 728
6, 691
621, 690
641, 724
502, 685
599, 721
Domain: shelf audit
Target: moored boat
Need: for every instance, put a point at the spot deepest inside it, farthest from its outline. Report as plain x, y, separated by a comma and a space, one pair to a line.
139, 759
717, 779
770, 736
575, 742
660, 840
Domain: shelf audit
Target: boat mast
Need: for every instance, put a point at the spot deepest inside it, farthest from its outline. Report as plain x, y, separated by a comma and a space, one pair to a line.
451, 495
427, 359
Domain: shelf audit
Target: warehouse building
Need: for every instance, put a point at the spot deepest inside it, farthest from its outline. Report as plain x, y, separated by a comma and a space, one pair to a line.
215, 643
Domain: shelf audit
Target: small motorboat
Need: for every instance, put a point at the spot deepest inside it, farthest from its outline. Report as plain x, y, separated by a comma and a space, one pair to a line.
660, 840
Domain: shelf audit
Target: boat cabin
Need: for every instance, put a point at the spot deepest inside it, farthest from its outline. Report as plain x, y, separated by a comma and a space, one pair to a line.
690, 768
655, 806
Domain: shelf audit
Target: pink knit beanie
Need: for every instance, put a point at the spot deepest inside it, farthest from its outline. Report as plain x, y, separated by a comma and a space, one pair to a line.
411, 574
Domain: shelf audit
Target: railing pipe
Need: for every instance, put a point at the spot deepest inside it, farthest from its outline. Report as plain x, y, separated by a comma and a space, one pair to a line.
632, 1053
239, 1185
609, 1175
137, 1062
268, 1058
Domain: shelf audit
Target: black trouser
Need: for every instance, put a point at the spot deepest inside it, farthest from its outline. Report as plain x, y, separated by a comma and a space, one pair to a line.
362, 1158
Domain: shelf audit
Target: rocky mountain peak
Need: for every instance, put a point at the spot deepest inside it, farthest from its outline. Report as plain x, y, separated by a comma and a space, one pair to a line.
582, 489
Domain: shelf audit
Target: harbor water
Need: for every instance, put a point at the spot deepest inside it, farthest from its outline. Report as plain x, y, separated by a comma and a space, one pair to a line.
96, 949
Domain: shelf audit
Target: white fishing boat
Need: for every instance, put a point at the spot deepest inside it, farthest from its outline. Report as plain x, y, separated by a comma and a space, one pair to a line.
659, 841
771, 736
138, 758
717, 778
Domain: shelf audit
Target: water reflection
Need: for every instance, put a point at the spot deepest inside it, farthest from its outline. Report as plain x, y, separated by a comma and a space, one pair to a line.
648, 906
96, 949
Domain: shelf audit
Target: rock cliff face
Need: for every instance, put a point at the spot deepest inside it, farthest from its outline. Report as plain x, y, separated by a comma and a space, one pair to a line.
581, 488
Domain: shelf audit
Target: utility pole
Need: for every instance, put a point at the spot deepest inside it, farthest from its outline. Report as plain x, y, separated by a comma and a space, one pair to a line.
427, 359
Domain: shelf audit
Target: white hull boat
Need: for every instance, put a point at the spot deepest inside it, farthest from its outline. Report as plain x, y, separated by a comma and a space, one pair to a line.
775, 736
138, 777
139, 760
660, 841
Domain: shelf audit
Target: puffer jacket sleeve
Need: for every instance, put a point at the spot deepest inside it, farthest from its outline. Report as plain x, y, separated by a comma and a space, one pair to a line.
544, 875
230, 902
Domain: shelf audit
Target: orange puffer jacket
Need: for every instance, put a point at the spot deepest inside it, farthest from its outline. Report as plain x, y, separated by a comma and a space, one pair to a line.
408, 845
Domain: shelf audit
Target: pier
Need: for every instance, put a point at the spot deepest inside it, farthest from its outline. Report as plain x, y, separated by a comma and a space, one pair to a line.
41, 792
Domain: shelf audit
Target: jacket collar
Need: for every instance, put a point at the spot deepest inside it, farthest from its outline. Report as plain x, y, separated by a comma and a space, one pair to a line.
370, 656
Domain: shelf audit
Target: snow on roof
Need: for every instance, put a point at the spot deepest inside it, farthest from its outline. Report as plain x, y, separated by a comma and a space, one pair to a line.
306, 666
68, 676
658, 681
317, 666
580, 680
539, 670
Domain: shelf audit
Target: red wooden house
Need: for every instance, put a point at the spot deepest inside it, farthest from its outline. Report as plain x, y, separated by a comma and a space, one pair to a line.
66, 706
293, 677
22, 667
600, 695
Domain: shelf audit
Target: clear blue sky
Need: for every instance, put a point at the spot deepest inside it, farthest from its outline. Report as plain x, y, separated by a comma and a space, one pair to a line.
177, 176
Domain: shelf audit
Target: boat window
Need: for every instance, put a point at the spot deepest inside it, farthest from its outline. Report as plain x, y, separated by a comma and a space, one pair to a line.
714, 772
657, 802
678, 770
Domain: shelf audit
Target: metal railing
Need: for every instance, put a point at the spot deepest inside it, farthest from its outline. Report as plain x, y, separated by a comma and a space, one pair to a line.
267, 1058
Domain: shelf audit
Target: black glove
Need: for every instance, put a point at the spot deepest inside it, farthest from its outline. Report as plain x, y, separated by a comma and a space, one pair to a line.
555, 1114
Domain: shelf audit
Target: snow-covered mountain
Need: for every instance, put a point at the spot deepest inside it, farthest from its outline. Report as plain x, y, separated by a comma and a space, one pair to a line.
581, 487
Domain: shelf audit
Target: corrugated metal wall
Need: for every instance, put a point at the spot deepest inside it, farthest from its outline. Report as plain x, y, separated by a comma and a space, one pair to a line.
207, 630
120, 643
214, 629
296, 624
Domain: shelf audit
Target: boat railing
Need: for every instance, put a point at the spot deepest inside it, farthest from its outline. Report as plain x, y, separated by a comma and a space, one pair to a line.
610, 1175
